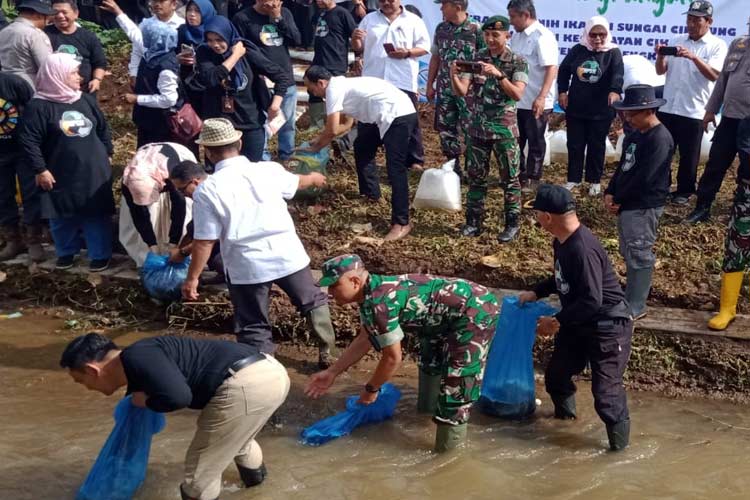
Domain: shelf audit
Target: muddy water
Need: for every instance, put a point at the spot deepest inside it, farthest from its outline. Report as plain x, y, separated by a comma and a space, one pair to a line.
51, 431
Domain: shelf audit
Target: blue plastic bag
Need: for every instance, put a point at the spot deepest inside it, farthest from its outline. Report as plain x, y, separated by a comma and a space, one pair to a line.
508, 385
355, 415
120, 467
163, 279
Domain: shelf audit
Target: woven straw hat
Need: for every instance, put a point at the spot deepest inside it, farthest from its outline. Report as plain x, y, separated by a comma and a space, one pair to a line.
218, 132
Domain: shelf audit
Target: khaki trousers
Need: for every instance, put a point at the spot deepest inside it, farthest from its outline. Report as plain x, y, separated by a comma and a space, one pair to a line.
228, 424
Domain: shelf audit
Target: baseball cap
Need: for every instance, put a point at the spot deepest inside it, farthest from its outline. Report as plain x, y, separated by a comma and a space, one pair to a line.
334, 268
700, 8
553, 199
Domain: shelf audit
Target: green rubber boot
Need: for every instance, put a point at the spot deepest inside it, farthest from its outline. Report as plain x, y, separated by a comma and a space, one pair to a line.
320, 324
428, 393
449, 437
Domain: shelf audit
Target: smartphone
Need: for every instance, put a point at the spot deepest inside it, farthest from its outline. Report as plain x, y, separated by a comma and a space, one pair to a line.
187, 49
668, 51
388, 48
468, 67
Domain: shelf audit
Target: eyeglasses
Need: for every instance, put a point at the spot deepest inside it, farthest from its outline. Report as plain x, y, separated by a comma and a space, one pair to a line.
183, 190
597, 35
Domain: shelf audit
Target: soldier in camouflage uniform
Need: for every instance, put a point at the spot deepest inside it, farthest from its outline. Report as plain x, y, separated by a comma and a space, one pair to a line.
737, 247
493, 91
458, 37
454, 319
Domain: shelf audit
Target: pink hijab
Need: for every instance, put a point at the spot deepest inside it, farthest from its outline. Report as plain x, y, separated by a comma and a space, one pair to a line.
51, 80
597, 21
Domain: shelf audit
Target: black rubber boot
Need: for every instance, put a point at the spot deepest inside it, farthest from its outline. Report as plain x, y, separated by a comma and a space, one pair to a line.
252, 477
428, 392
619, 435
565, 408
512, 227
473, 226
701, 214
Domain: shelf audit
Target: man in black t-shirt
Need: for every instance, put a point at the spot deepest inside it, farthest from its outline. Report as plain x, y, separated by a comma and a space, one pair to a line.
593, 327
334, 26
14, 94
67, 37
236, 388
271, 27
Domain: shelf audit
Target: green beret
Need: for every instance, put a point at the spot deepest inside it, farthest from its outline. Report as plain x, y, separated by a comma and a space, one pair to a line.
498, 23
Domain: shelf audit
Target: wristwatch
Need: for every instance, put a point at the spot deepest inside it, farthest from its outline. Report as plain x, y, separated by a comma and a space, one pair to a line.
184, 252
502, 76
371, 389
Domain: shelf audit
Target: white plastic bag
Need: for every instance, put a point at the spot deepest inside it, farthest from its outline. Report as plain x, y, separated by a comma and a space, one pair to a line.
706, 141
559, 147
610, 153
439, 188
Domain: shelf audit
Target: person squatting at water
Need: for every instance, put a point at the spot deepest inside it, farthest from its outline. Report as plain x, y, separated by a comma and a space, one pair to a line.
493, 89
243, 206
236, 388
594, 325
454, 319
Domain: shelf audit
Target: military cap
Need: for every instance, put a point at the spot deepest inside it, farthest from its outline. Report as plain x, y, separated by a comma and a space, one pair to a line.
553, 199
497, 23
700, 8
460, 3
334, 268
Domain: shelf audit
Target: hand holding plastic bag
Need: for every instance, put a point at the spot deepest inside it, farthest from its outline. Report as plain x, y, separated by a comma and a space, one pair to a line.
305, 162
439, 188
355, 415
508, 385
163, 279
120, 467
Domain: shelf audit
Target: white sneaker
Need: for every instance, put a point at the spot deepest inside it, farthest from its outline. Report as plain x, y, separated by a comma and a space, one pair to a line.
595, 190
570, 186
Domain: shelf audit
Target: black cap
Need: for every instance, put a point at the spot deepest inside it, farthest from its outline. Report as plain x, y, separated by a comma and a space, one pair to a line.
43, 7
700, 8
553, 199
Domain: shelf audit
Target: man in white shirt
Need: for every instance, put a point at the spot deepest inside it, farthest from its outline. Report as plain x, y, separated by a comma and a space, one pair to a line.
163, 10
538, 46
691, 74
243, 206
391, 41
385, 116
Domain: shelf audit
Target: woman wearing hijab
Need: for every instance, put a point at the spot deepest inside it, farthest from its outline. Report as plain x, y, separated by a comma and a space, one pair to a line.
157, 86
67, 144
189, 37
229, 69
589, 81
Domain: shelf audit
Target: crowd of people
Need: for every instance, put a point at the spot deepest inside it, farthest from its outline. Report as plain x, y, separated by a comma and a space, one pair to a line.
200, 81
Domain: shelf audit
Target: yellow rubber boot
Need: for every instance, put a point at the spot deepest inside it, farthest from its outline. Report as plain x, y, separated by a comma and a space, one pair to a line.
730, 292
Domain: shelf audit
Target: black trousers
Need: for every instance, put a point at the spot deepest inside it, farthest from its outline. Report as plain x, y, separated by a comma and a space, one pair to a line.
720, 158
687, 134
251, 323
142, 217
416, 149
606, 348
396, 143
12, 164
531, 131
586, 140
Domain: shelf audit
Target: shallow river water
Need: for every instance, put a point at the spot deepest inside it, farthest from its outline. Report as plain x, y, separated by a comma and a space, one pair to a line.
52, 429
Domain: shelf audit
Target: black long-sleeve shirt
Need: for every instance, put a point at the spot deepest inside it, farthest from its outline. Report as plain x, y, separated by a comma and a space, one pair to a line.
588, 78
642, 179
179, 372
272, 38
15, 92
584, 280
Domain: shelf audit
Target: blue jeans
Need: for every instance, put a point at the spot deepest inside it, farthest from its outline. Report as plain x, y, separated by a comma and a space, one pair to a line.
286, 133
252, 143
97, 231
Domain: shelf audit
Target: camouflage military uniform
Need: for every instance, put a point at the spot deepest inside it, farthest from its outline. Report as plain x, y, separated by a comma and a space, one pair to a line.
493, 129
737, 248
450, 43
455, 320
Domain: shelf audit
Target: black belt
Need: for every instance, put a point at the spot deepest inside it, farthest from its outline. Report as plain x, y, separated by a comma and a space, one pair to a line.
243, 363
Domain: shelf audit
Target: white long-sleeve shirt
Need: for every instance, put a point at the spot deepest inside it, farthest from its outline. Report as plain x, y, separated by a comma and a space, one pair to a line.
133, 32
168, 85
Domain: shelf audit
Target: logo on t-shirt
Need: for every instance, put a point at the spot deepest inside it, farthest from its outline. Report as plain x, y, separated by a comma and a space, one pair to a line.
69, 49
321, 30
74, 124
589, 72
270, 36
562, 286
8, 118
629, 157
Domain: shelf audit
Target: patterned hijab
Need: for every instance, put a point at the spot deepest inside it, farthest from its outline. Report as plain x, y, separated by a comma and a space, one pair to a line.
194, 34
52, 79
159, 39
597, 21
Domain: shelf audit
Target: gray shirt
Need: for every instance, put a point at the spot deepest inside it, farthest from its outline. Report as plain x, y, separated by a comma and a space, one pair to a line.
733, 86
24, 49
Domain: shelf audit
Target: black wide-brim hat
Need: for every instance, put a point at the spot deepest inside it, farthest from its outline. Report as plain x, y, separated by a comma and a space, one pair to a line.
639, 97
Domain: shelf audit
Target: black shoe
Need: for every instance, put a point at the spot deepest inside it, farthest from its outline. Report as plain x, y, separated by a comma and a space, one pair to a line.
98, 265
252, 477
700, 214
619, 435
677, 198
64, 263
470, 231
565, 408
512, 227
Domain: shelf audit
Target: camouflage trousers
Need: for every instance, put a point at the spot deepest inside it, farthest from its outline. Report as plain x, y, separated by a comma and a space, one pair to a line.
458, 353
507, 154
450, 113
737, 245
